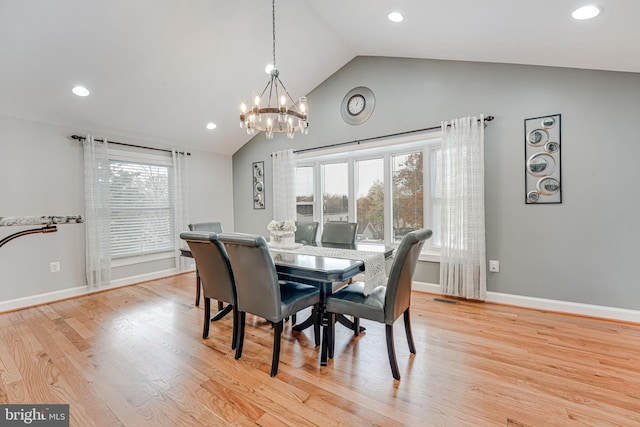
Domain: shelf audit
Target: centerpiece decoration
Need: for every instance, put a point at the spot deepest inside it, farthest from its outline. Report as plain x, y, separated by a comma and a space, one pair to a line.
282, 234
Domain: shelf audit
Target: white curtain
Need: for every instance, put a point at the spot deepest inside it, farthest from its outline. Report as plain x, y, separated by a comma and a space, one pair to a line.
180, 203
463, 260
284, 185
97, 213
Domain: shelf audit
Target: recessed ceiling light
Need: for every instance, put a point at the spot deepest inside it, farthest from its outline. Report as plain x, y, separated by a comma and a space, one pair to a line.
211, 125
80, 91
586, 12
268, 68
395, 17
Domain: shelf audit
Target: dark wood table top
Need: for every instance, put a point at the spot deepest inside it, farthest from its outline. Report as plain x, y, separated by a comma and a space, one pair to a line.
310, 267
315, 267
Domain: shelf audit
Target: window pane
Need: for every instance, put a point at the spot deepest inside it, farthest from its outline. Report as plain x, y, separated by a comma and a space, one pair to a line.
304, 193
141, 202
408, 194
370, 199
335, 196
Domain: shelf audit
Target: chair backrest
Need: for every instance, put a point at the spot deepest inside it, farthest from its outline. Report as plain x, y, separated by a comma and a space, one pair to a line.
306, 233
211, 227
339, 235
213, 266
255, 274
398, 296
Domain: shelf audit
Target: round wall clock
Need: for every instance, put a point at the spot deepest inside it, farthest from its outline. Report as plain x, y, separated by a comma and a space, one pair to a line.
357, 105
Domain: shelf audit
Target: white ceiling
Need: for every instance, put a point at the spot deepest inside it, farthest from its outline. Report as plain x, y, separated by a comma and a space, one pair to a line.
160, 70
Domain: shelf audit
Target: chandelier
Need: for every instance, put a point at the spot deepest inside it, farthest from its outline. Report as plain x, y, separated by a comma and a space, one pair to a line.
285, 115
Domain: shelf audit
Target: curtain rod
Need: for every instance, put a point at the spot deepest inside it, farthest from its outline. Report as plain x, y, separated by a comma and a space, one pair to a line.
373, 138
82, 138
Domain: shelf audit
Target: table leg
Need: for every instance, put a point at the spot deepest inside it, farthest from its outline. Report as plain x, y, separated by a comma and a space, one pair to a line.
349, 324
311, 320
324, 351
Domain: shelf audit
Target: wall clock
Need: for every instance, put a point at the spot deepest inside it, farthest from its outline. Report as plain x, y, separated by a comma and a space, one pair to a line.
357, 105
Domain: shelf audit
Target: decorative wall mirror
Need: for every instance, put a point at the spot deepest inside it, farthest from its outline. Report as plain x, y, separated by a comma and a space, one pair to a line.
542, 159
541, 164
537, 137
258, 185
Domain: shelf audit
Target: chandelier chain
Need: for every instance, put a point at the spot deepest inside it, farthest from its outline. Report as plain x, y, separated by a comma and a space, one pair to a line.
273, 21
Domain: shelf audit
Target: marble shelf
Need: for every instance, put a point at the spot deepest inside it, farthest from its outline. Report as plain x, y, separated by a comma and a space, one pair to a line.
6, 221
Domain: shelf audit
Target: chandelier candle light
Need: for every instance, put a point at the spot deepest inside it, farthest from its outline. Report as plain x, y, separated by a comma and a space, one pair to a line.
287, 116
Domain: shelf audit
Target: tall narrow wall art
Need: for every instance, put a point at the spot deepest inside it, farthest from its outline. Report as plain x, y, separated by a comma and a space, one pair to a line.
543, 178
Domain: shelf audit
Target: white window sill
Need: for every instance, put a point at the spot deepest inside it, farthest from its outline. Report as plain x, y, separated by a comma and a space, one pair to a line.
429, 257
121, 262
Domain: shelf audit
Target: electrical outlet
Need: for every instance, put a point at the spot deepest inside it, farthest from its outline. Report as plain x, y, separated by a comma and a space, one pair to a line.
494, 266
54, 266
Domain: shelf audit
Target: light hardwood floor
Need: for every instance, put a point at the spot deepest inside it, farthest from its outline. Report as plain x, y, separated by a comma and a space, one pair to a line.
134, 356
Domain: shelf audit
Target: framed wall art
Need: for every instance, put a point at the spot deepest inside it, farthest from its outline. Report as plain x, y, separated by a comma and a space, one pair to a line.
543, 178
258, 185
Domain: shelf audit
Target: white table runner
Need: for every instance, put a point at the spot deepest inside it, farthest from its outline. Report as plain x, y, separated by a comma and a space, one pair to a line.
374, 271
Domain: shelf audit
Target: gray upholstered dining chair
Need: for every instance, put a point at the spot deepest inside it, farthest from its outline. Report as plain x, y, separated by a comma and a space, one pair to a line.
339, 235
209, 227
384, 304
216, 277
259, 291
212, 227
306, 233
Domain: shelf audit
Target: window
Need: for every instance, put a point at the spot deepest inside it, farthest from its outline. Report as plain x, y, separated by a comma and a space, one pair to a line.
370, 199
304, 194
408, 194
389, 190
335, 192
141, 198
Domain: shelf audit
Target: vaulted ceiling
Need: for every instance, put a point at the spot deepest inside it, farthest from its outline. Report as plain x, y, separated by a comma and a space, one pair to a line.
160, 70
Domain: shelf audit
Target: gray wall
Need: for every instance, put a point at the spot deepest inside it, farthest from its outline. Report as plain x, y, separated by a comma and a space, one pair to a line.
41, 174
582, 250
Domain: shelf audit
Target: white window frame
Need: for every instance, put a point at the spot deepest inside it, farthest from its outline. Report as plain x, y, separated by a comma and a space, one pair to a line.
153, 159
385, 149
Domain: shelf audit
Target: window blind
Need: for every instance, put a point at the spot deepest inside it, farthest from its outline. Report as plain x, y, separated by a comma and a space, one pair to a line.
141, 208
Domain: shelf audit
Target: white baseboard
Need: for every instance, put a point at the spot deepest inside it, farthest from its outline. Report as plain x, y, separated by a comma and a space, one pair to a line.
613, 313
30, 301
143, 278
48, 297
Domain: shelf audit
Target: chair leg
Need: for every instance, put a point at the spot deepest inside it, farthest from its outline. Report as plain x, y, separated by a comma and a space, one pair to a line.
392, 352
356, 326
220, 305
240, 338
207, 318
407, 329
234, 339
293, 319
198, 286
275, 361
332, 334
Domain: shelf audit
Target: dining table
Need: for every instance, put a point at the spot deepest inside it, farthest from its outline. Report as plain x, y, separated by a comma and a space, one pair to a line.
320, 271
